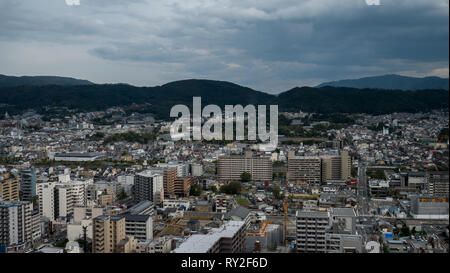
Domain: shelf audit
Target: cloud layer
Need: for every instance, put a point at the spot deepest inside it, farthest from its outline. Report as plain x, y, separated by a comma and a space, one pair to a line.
267, 45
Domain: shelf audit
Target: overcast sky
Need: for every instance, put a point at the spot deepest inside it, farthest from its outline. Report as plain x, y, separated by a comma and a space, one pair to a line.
267, 45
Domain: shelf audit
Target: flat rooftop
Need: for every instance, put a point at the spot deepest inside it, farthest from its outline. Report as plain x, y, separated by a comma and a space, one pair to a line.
201, 243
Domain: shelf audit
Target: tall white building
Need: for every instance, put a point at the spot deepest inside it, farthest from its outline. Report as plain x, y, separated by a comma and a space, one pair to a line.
15, 225
59, 199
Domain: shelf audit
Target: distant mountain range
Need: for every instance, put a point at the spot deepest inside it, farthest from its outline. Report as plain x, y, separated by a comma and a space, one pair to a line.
160, 99
395, 82
8, 81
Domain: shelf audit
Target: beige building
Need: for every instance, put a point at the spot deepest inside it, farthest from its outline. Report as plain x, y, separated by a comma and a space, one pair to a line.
304, 169
108, 232
9, 188
316, 170
336, 167
230, 168
182, 185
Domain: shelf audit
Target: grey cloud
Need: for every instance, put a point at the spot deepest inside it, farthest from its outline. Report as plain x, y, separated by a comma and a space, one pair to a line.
268, 45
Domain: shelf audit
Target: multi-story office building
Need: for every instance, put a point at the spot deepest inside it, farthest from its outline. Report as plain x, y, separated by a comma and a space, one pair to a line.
9, 188
148, 186
108, 232
229, 238
139, 226
230, 168
437, 183
27, 184
16, 225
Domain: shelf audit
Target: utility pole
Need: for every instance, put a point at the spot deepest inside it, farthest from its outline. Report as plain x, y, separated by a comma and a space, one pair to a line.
85, 238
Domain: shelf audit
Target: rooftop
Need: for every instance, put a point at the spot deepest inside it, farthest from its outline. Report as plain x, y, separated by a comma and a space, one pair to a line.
201, 243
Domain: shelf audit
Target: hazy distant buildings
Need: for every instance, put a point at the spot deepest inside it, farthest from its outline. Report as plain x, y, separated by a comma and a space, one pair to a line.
78, 156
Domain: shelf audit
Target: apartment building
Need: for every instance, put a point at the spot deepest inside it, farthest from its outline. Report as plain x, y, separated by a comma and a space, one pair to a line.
170, 174
182, 185
437, 183
27, 184
16, 225
331, 231
139, 226
304, 169
230, 168
59, 199
316, 170
108, 232
311, 229
148, 185
9, 188
336, 167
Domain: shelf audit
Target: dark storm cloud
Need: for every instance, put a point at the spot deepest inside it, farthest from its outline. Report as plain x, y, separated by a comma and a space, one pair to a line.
268, 45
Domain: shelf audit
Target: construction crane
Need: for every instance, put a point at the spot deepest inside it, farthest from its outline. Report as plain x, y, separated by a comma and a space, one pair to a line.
285, 212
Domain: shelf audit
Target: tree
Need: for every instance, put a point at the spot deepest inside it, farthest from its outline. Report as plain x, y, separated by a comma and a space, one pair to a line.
234, 187
195, 190
404, 231
246, 177
276, 192
122, 196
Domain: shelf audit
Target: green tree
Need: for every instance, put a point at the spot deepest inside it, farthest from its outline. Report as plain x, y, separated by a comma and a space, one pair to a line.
404, 231
234, 187
195, 190
276, 192
246, 177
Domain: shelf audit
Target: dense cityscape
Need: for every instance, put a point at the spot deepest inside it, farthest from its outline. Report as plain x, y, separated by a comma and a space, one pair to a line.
114, 181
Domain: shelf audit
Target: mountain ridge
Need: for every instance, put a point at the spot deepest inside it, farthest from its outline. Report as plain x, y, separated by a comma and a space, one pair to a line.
10, 81
392, 82
160, 99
